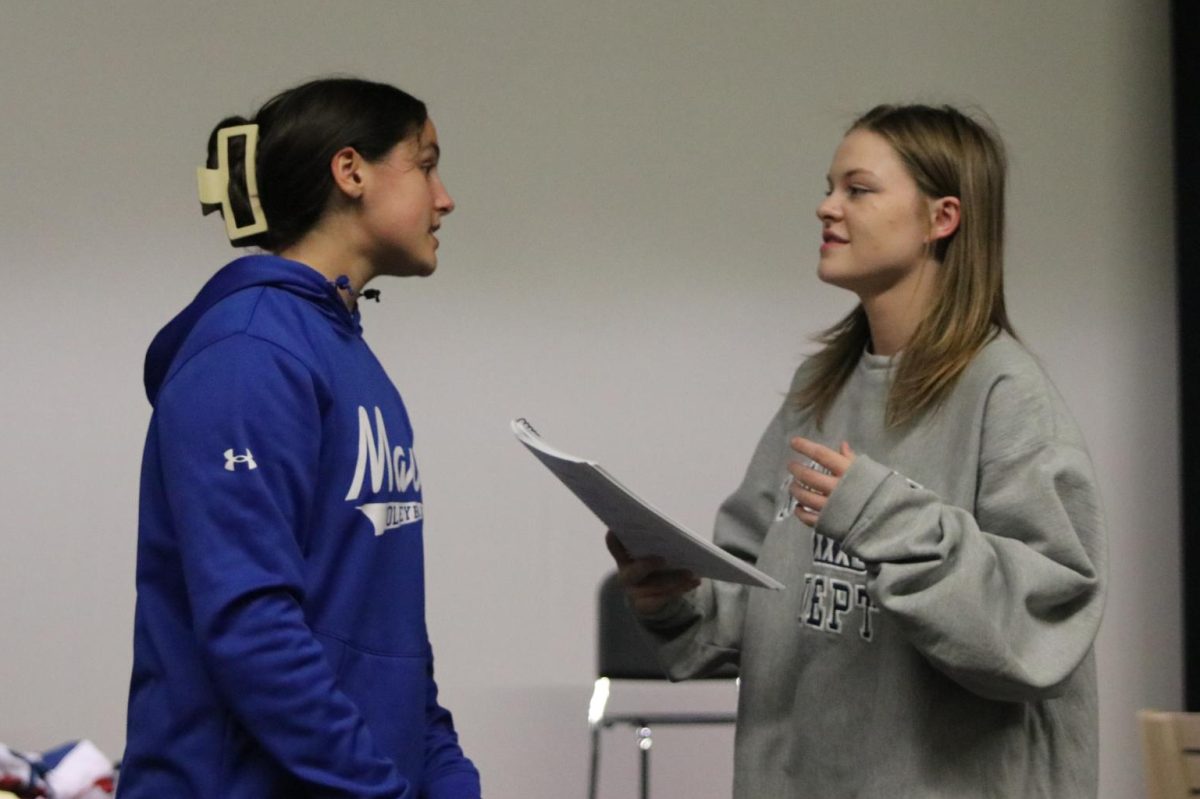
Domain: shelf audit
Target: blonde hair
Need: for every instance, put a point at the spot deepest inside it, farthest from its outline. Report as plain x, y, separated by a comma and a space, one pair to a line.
948, 154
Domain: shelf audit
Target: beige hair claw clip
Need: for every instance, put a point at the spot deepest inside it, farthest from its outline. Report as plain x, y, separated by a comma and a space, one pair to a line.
214, 183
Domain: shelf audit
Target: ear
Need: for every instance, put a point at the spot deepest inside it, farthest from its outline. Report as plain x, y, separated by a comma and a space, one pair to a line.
944, 216
346, 168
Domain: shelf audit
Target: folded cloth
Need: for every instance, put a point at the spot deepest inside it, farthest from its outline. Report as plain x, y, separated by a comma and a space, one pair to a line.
76, 770
22, 774
79, 771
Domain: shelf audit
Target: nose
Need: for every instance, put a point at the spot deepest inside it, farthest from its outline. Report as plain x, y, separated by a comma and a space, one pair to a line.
827, 209
442, 200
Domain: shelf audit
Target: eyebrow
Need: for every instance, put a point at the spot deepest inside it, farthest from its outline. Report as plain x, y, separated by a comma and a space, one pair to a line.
852, 172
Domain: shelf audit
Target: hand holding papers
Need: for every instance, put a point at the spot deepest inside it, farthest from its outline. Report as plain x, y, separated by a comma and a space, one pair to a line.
642, 529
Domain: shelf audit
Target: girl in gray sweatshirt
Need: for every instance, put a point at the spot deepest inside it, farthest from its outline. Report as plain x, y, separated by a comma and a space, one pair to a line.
927, 500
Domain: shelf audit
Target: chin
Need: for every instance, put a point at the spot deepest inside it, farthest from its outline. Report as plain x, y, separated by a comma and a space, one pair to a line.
827, 274
411, 268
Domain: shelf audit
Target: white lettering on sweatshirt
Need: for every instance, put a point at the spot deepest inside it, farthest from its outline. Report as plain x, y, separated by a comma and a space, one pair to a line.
398, 467
395, 467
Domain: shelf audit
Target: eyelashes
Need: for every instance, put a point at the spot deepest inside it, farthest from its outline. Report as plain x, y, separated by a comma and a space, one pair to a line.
851, 191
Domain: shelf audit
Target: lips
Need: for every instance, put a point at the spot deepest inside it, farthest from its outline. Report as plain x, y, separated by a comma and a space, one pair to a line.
831, 241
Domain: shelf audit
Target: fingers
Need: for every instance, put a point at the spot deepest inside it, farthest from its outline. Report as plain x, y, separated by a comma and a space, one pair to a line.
646, 581
648, 577
835, 462
657, 589
807, 516
807, 498
805, 476
664, 584
638, 570
617, 549
630, 570
811, 486
809, 503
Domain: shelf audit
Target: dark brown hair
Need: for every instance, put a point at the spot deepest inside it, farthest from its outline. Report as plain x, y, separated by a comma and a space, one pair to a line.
299, 132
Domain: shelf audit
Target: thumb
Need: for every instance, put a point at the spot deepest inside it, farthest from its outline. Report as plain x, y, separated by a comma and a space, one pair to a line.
617, 549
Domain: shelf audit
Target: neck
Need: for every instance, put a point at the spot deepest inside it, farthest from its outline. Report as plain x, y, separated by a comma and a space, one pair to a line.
895, 313
328, 252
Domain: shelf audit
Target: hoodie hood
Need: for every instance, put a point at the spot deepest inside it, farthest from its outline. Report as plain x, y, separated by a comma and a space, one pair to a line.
246, 272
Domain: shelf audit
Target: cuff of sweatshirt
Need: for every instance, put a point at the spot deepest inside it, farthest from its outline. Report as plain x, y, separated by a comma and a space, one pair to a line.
455, 785
844, 512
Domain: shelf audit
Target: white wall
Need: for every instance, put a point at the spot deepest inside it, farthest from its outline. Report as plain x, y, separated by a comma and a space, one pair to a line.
631, 266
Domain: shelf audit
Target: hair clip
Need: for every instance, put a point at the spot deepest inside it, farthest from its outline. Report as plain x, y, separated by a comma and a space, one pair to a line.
214, 183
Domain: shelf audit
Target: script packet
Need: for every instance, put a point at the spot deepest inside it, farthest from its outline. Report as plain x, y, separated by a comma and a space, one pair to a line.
642, 529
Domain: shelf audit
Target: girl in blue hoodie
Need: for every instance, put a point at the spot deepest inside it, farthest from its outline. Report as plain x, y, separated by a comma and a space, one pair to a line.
280, 646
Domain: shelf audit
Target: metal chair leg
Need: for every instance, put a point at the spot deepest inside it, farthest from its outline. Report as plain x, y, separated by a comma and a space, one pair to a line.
596, 709
594, 770
645, 741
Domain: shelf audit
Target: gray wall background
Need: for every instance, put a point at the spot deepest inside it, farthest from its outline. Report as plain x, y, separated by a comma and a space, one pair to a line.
631, 267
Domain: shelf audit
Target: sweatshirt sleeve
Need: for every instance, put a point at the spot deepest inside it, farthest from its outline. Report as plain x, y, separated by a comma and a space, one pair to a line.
1006, 602
448, 772
703, 630
238, 430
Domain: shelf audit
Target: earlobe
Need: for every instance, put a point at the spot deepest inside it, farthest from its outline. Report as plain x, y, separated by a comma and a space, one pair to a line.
346, 169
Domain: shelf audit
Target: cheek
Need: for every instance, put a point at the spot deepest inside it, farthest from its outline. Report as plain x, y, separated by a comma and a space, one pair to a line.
903, 232
413, 215
407, 217
870, 233
409, 201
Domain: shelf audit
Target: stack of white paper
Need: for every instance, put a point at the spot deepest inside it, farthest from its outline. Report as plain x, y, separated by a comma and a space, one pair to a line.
641, 528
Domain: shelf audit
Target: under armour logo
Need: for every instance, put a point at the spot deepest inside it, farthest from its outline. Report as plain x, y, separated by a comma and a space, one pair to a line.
231, 460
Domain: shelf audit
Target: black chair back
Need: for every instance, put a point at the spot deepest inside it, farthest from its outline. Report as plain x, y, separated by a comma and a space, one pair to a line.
623, 651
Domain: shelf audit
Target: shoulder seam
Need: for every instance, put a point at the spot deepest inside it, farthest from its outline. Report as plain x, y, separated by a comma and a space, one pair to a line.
1016, 453
1047, 394
244, 331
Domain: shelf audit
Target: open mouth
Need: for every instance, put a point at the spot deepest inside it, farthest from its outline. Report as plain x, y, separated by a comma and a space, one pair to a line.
831, 241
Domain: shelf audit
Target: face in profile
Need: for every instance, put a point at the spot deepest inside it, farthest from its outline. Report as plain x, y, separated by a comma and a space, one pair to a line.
875, 222
403, 203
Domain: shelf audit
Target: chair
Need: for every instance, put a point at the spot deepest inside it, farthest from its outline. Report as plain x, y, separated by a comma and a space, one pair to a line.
623, 654
1171, 752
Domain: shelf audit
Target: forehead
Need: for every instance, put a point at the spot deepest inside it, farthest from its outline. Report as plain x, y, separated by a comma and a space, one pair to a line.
867, 151
418, 146
427, 140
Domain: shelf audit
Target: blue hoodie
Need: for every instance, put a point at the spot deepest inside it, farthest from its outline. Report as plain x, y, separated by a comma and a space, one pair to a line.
280, 647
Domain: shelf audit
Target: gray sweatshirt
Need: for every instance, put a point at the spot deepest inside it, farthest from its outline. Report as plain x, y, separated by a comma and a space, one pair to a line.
935, 637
